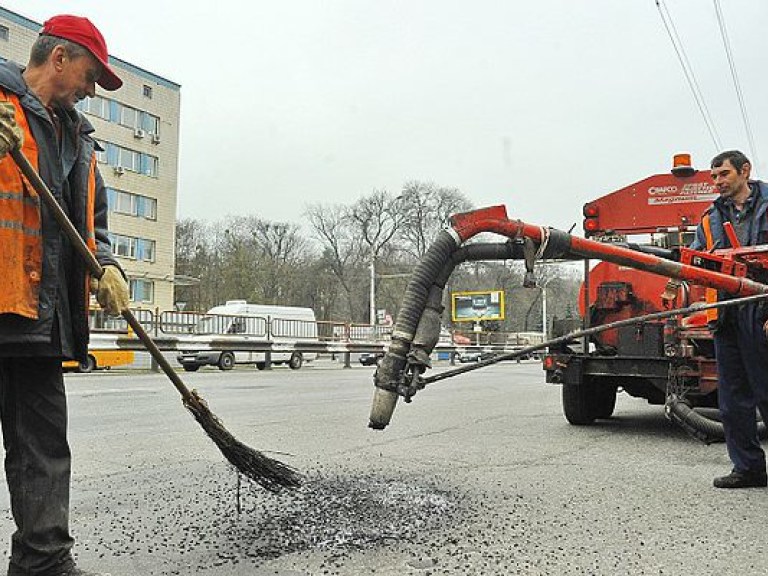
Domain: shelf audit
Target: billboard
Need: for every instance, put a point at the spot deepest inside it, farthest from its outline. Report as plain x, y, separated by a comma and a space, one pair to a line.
477, 305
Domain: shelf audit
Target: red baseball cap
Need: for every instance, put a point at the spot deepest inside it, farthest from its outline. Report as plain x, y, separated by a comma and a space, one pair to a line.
81, 31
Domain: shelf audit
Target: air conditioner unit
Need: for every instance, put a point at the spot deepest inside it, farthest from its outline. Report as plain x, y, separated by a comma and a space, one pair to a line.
155, 138
119, 170
138, 133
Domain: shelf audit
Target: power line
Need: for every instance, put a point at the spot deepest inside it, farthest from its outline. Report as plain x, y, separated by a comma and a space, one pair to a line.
736, 84
669, 25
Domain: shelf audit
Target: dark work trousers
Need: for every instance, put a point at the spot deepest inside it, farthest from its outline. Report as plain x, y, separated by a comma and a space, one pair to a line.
33, 408
741, 350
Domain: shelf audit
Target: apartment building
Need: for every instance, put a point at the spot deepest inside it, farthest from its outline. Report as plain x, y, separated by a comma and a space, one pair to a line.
138, 128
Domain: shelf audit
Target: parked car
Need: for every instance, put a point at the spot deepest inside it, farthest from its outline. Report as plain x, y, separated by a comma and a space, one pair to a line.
370, 358
255, 322
473, 356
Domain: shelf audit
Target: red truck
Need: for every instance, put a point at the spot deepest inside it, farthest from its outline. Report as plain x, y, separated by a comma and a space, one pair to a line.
657, 360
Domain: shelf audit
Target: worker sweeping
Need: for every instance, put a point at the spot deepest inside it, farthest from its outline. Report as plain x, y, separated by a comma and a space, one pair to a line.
44, 299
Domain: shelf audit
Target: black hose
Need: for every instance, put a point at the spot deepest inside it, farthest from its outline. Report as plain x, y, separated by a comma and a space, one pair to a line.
417, 290
510, 250
417, 327
698, 423
412, 308
666, 253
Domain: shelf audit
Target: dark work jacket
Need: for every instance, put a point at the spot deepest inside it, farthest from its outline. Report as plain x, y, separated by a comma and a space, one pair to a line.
718, 213
62, 325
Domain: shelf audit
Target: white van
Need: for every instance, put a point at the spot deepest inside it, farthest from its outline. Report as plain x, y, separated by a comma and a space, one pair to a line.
282, 326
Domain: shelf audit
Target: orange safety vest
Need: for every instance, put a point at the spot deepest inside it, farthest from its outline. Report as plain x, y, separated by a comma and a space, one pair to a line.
21, 239
21, 266
710, 294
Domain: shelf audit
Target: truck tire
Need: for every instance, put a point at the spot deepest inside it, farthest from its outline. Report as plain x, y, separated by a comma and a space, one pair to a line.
296, 361
191, 367
226, 361
605, 401
261, 365
87, 366
578, 404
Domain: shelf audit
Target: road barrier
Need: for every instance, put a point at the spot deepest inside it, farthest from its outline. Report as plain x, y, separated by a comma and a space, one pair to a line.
176, 331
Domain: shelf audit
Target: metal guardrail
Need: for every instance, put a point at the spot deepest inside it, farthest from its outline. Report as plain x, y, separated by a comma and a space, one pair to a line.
289, 328
181, 323
176, 331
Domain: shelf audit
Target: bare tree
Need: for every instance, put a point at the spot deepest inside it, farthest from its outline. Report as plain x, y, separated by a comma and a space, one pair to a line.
378, 218
342, 252
426, 208
196, 260
283, 252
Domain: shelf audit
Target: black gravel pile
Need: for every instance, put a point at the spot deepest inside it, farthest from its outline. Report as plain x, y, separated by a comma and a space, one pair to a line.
179, 524
350, 513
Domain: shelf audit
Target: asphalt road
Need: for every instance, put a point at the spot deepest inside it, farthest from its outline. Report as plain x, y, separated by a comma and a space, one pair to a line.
479, 475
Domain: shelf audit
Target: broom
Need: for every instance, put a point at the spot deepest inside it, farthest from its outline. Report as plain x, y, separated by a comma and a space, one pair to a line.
269, 473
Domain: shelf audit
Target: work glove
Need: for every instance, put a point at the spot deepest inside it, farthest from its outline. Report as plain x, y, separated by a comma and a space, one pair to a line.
111, 291
11, 136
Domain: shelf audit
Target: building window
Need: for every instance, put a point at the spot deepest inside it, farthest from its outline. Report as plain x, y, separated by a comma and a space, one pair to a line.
145, 250
97, 106
148, 165
150, 123
142, 290
147, 91
124, 246
5, 33
146, 207
129, 116
128, 159
114, 111
140, 249
132, 204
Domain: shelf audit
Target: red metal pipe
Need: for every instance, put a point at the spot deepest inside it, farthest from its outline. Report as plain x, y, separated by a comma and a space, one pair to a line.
494, 219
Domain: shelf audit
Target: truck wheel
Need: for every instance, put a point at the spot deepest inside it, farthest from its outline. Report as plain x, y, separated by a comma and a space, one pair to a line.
88, 365
604, 401
191, 367
578, 404
261, 365
226, 361
296, 361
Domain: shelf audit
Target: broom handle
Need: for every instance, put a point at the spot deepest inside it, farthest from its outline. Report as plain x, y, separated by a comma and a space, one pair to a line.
95, 268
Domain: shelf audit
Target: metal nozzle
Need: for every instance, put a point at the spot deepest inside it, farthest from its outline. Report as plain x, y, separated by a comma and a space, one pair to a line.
384, 402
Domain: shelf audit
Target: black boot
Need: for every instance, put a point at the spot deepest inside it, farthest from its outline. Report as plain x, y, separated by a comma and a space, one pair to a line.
736, 479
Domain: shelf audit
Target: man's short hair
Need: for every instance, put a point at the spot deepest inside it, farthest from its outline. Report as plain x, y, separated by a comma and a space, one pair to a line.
735, 157
45, 44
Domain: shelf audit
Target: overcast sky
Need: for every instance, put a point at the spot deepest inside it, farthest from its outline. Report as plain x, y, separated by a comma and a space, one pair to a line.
539, 105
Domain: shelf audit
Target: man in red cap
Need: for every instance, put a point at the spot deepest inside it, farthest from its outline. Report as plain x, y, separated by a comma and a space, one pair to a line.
44, 300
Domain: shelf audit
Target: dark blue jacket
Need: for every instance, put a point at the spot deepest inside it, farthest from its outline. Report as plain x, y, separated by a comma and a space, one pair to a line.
718, 213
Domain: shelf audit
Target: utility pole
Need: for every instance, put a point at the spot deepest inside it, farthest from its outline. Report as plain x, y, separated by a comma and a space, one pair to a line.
372, 298
544, 310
